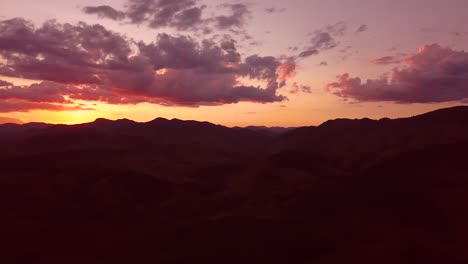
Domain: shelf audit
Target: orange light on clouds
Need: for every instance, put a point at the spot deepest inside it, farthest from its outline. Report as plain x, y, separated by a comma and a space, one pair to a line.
422, 49
286, 70
162, 71
19, 81
230, 65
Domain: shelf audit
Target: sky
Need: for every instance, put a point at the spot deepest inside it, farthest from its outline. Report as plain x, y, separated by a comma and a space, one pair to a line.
235, 63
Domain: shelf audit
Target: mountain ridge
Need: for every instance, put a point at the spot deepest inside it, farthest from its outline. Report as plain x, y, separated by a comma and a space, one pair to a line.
430, 114
171, 191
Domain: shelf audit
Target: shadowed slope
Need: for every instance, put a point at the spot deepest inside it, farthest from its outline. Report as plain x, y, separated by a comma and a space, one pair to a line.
171, 191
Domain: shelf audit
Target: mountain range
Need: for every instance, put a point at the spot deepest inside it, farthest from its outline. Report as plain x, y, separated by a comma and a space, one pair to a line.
173, 191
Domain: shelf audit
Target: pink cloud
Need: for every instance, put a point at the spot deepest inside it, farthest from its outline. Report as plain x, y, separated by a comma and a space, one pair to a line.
386, 60
89, 62
434, 74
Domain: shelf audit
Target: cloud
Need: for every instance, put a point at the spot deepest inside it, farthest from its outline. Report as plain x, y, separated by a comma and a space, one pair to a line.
323, 63
177, 14
386, 60
337, 29
6, 120
324, 39
272, 10
89, 62
296, 88
434, 74
60, 52
43, 92
4, 83
306, 89
184, 52
24, 106
287, 70
40, 96
308, 53
362, 28
105, 11
237, 18
158, 13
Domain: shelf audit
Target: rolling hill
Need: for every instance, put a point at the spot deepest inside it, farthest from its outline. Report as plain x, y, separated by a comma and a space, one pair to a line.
172, 191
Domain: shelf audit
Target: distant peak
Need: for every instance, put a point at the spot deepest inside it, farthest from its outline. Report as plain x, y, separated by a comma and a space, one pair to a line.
346, 121
159, 120
102, 120
451, 110
124, 120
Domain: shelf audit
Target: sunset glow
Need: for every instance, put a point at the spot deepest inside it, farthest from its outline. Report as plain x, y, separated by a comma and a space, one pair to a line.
277, 62
234, 131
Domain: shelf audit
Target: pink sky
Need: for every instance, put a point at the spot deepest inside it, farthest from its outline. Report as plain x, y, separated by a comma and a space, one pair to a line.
305, 43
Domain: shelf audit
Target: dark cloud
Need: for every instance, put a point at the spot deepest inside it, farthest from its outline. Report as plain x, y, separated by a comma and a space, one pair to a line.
434, 74
296, 88
43, 92
337, 29
40, 96
105, 11
178, 14
386, 60
263, 68
362, 28
4, 83
306, 89
60, 52
308, 53
89, 62
185, 52
324, 39
188, 18
237, 18
323, 63
272, 10
255, 43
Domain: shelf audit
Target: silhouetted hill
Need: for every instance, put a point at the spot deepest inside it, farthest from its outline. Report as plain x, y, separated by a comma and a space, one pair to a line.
273, 131
125, 135
363, 142
172, 191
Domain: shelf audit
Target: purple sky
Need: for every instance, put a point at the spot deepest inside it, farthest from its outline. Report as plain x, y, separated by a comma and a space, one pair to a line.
230, 62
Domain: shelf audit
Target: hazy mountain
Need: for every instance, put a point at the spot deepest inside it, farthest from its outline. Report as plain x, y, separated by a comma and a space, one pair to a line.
172, 191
